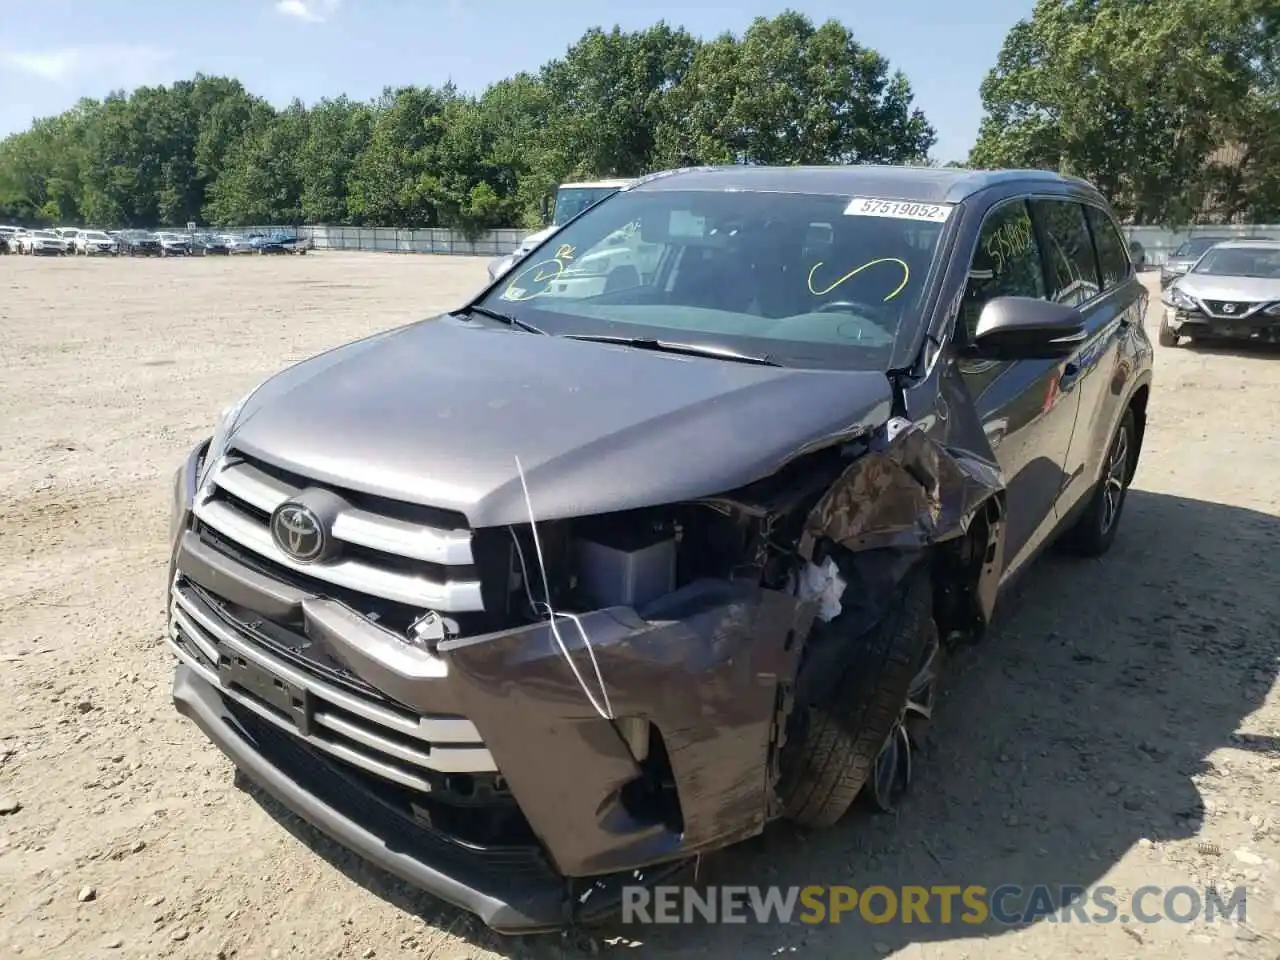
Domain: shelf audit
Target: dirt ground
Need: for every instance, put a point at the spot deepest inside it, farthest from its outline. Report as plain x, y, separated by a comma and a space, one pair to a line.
1119, 726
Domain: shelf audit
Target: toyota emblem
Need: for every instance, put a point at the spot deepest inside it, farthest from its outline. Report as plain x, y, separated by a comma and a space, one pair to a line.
297, 531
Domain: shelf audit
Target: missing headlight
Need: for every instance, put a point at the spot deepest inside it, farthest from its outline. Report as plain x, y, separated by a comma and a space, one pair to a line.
627, 562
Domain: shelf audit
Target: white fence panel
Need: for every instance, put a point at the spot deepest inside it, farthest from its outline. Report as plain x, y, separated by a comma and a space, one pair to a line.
401, 240
1159, 242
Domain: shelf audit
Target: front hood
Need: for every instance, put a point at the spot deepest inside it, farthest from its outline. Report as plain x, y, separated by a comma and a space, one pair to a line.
1240, 289
436, 413
1179, 264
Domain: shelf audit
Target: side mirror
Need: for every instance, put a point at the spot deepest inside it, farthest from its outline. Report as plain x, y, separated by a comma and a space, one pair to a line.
1027, 328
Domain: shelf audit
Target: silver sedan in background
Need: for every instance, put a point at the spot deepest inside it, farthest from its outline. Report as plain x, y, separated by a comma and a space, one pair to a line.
1231, 293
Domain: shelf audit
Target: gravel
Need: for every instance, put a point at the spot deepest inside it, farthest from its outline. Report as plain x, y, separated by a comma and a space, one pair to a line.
1119, 724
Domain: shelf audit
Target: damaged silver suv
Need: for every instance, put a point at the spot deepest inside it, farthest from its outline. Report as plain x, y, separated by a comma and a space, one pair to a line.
666, 534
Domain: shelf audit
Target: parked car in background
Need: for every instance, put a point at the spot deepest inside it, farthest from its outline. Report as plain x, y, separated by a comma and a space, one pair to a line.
210, 245
1182, 259
530, 695
570, 200
43, 243
1138, 254
7, 234
241, 244
277, 243
94, 243
174, 244
139, 243
500, 265
1231, 293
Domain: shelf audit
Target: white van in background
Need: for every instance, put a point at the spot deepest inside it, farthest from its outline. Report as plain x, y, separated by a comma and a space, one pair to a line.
571, 200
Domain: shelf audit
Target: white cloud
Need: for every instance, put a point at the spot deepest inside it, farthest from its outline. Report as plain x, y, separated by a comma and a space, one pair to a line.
124, 65
312, 11
52, 65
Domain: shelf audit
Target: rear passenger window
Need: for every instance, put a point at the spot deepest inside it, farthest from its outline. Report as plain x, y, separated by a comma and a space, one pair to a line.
1006, 263
1113, 257
1073, 271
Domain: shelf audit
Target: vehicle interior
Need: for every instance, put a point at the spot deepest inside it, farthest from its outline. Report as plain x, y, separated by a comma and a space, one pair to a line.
793, 269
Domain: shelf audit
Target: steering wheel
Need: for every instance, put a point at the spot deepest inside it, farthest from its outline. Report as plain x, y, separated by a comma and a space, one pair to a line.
849, 306
853, 306
862, 315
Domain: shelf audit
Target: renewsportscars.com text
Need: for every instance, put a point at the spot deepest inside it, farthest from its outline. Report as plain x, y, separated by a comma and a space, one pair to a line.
1008, 905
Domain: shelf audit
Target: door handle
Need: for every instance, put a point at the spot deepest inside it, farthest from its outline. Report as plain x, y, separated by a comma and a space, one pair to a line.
1070, 374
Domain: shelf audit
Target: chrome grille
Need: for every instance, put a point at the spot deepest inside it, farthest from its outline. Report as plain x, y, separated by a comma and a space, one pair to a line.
397, 745
1228, 308
394, 558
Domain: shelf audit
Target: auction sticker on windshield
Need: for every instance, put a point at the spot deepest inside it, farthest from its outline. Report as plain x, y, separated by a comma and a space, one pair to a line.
898, 209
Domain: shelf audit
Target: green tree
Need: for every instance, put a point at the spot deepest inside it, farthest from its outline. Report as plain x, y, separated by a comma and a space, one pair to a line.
608, 98
338, 132
260, 181
1136, 97
788, 92
531, 162
394, 177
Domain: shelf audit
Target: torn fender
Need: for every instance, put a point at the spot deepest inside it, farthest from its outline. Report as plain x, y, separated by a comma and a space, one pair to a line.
905, 492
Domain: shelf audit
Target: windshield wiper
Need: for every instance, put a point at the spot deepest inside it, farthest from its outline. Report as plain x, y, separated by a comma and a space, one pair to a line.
668, 346
500, 317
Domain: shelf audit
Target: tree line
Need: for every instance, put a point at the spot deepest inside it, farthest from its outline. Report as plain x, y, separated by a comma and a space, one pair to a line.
1172, 107
616, 104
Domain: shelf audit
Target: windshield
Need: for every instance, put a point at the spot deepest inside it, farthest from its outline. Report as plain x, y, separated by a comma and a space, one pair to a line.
1241, 262
814, 281
1197, 246
44, 234
94, 235
571, 201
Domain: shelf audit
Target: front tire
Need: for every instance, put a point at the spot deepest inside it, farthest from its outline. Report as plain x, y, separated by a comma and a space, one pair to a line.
1166, 336
1093, 534
862, 734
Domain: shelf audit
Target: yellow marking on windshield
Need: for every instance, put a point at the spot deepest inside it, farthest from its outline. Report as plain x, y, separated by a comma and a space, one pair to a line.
906, 275
544, 271
565, 252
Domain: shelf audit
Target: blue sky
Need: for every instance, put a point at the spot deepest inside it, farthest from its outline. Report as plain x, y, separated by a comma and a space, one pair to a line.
55, 51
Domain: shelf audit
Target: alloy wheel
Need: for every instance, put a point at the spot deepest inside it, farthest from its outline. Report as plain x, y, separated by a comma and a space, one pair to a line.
1113, 486
892, 774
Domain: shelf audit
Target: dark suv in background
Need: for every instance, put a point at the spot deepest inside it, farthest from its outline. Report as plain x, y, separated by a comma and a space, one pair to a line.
663, 535
138, 243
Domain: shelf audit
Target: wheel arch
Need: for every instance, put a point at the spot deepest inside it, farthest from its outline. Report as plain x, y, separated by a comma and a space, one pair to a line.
907, 498
1138, 404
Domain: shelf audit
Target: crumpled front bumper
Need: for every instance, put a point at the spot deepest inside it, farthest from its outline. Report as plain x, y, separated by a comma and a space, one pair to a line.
348, 813
709, 667
1254, 327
